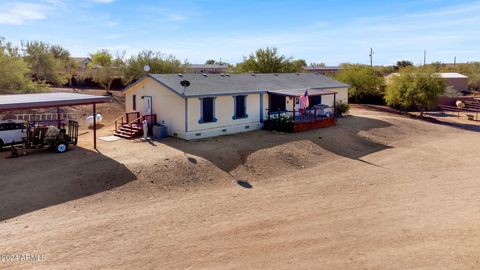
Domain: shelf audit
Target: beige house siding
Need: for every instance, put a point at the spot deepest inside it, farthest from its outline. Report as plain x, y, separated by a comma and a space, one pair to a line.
342, 94
168, 106
224, 111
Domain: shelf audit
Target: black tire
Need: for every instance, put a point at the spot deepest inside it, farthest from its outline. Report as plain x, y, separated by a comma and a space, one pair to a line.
1, 145
61, 147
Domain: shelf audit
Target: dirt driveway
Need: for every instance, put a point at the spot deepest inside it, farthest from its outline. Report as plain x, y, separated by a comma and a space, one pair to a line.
378, 191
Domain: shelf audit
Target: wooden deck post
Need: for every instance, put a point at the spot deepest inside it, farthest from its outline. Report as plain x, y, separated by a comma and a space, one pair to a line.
294, 115
334, 104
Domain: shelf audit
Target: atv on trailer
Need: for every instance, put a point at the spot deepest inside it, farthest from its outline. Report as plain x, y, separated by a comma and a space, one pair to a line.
57, 138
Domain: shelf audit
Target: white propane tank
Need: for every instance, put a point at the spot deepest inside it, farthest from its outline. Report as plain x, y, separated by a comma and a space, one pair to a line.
89, 119
460, 104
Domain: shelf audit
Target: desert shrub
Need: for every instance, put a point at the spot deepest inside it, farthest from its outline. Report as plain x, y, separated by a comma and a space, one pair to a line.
283, 123
342, 108
415, 87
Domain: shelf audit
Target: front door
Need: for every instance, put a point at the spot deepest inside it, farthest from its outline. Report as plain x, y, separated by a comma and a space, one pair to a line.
147, 105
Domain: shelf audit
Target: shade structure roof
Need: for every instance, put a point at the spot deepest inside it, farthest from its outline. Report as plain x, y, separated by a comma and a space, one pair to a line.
44, 100
300, 92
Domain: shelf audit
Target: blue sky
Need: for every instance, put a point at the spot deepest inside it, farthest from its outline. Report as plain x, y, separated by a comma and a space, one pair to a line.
318, 31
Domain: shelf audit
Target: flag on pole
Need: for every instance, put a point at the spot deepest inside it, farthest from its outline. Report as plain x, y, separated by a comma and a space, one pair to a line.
304, 101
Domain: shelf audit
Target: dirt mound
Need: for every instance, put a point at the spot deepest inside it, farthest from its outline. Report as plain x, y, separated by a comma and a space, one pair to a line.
281, 160
187, 172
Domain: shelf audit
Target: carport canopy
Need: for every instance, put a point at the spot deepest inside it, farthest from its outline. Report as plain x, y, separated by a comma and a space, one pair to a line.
52, 100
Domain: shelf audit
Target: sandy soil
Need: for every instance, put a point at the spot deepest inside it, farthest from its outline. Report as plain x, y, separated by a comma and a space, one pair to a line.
377, 191
454, 119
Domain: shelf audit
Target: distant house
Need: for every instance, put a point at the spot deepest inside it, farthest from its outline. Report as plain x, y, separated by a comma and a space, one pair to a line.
210, 69
455, 82
82, 62
218, 104
324, 70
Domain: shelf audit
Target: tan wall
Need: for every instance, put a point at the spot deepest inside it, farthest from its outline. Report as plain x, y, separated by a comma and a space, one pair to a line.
168, 106
224, 110
460, 84
342, 94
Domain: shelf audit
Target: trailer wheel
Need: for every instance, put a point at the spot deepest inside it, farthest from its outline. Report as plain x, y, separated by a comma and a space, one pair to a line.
61, 147
1, 145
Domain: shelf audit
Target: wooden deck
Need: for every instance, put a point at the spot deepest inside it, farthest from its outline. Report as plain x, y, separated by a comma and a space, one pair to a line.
300, 126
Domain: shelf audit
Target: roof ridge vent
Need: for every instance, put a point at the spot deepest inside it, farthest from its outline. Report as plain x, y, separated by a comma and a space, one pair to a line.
227, 74
275, 74
253, 74
204, 74
180, 75
298, 74
221, 74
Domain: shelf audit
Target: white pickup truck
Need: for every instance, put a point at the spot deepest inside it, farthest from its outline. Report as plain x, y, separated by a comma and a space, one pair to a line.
11, 132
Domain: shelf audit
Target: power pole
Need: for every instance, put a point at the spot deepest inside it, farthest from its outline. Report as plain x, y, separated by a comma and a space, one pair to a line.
424, 57
371, 56
454, 61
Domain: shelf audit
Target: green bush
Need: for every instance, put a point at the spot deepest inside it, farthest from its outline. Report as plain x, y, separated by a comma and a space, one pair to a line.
366, 84
342, 108
282, 123
415, 87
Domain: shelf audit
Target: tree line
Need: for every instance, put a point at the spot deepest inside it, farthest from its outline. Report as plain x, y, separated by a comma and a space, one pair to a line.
35, 65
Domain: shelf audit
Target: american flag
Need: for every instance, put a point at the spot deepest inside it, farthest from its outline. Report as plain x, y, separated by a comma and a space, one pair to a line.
304, 101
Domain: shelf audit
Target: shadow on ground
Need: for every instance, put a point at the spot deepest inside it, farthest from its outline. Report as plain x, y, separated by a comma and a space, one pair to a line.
228, 152
437, 118
43, 179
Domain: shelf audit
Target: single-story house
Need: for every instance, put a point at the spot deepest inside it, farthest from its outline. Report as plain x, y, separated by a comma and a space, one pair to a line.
455, 82
196, 106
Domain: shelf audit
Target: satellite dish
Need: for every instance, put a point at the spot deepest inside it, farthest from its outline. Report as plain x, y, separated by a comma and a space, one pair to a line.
185, 83
146, 68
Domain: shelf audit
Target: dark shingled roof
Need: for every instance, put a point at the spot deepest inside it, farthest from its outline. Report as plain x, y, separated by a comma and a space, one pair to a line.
218, 84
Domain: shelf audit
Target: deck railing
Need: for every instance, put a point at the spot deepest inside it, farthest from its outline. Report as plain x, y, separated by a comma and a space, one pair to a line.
125, 119
292, 120
307, 115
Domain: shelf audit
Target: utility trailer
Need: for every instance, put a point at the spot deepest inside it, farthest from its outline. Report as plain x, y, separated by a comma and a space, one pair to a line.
58, 138
40, 136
